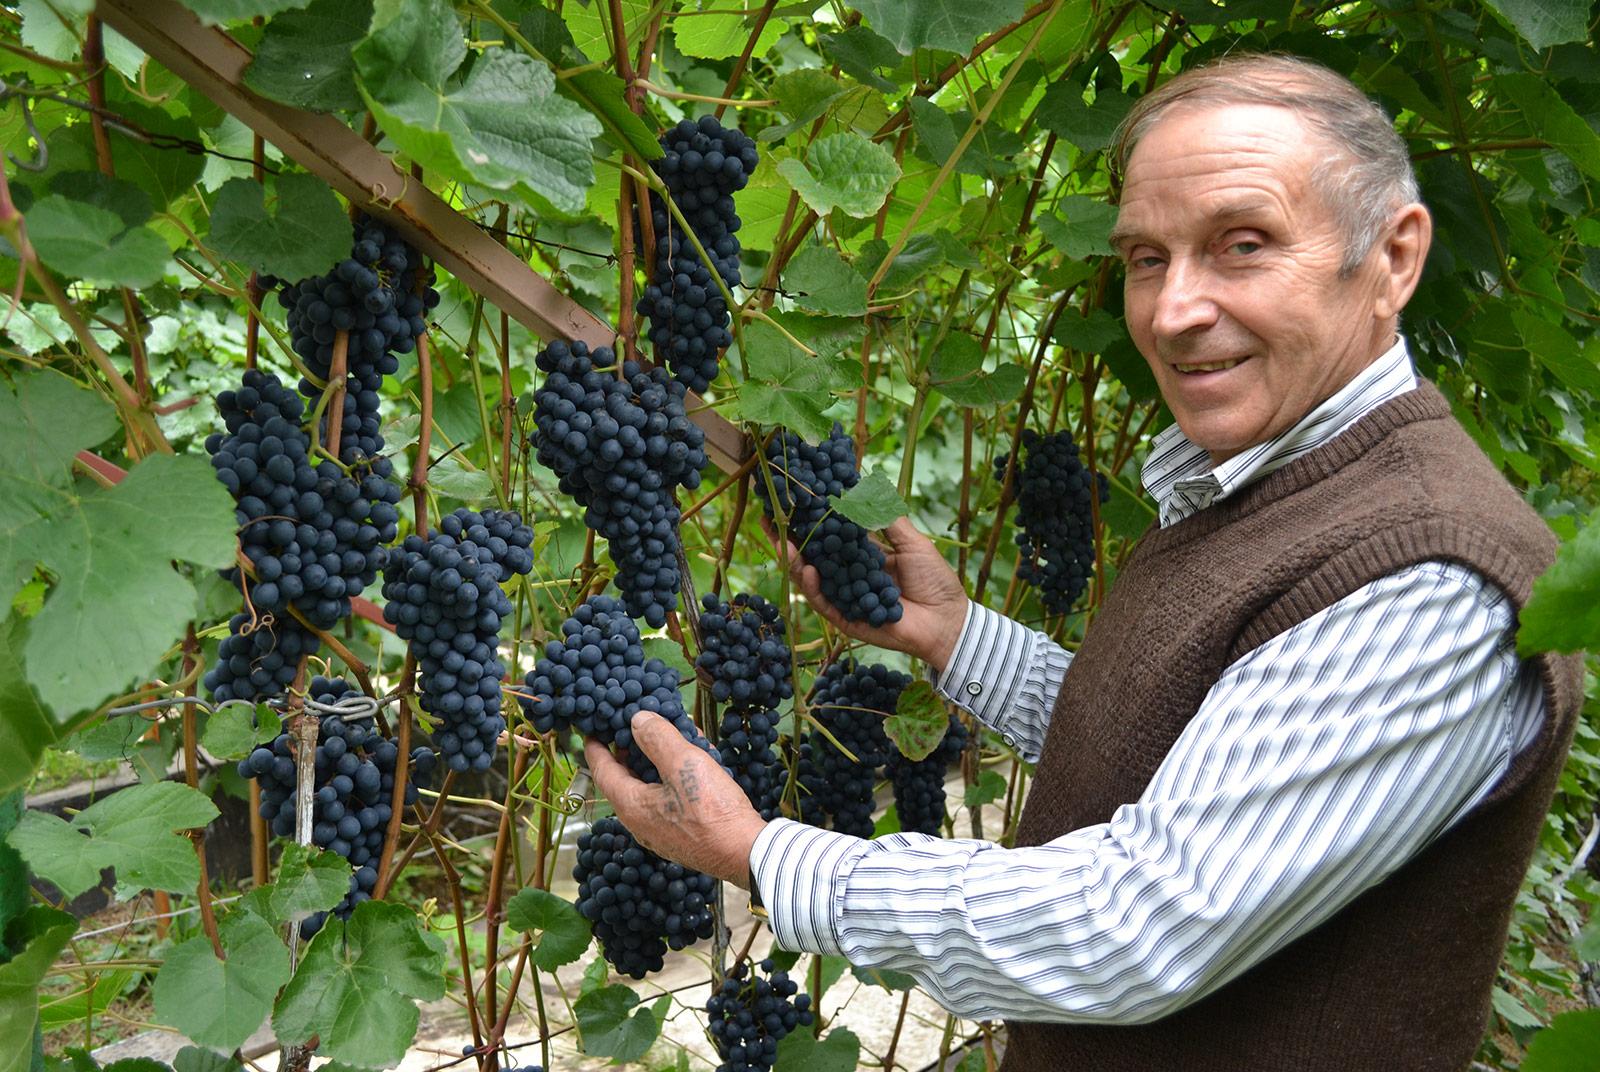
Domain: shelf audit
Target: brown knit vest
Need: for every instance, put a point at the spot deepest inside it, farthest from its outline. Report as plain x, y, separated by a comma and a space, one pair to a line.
1400, 978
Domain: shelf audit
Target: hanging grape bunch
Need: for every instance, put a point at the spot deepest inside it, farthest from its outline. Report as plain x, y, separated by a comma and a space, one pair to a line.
445, 599
621, 448
919, 795
750, 1015
1055, 517
850, 564
703, 165
747, 659
258, 659
852, 701
597, 676
355, 768
639, 903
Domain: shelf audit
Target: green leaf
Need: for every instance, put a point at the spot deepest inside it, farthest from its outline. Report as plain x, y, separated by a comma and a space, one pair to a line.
1569, 1044
84, 241
308, 881
1084, 230
28, 727
232, 732
305, 233
594, 976
889, 980
564, 933
1563, 613
957, 373
353, 986
824, 282
1090, 334
953, 25
608, 1028
1088, 126
129, 202
1543, 23
989, 788
195, 1059
36, 938
874, 503
843, 170
803, 96
452, 477
502, 127
800, 1051
109, 552
305, 58
1587, 945
919, 721
1553, 119
1513, 1011
133, 830
719, 37
860, 53
786, 386
220, 1003
601, 92
213, 12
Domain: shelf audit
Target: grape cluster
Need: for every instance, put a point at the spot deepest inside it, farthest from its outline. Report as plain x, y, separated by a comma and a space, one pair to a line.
639, 903
919, 783
313, 534
747, 659
850, 564
851, 700
750, 1015
444, 598
258, 658
704, 164
621, 448
1055, 515
596, 677
355, 768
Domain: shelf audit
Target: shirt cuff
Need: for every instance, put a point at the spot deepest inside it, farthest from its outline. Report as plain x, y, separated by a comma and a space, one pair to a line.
802, 873
987, 666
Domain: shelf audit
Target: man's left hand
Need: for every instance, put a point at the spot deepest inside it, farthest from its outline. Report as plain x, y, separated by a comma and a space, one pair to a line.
697, 815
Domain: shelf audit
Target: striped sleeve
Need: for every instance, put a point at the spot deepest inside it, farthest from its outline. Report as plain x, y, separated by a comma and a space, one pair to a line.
1315, 767
1007, 675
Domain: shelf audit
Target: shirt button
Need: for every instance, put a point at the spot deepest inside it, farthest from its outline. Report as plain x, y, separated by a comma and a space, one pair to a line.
974, 688
1011, 742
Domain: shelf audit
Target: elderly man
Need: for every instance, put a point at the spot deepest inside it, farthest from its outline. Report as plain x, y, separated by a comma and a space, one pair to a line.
1289, 785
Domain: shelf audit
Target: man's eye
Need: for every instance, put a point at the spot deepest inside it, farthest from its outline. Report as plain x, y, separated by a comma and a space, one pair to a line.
1244, 246
1146, 261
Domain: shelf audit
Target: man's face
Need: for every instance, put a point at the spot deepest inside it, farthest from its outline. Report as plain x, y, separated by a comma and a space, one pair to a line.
1233, 288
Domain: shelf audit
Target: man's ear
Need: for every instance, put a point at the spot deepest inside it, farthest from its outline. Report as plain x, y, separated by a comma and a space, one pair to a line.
1401, 253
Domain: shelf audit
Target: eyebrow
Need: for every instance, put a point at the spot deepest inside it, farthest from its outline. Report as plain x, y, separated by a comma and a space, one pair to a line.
1121, 237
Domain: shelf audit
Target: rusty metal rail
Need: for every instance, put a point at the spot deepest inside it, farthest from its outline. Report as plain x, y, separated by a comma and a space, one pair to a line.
214, 63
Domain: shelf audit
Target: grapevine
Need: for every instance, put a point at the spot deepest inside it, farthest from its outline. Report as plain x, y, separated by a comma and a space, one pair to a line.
1055, 515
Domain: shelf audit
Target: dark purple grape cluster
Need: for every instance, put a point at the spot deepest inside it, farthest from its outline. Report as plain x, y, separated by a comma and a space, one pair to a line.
355, 768
850, 564
750, 1015
704, 164
259, 658
639, 903
852, 701
621, 447
1055, 515
597, 676
747, 659
919, 783
313, 533
444, 599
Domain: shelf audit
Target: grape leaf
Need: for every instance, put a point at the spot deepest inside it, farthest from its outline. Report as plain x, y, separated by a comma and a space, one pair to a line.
305, 57
1567, 1045
88, 242
1085, 230
564, 932
1553, 119
802, 95
1563, 613
132, 830
305, 232
824, 282
1088, 126
800, 1051
37, 937
220, 1003
919, 721
953, 25
232, 732
195, 1059
860, 53
353, 986
889, 980
1091, 334
1543, 23
610, 1031
989, 788
786, 385
721, 36
843, 170
957, 373
108, 552
873, 503
213, 12
307, 882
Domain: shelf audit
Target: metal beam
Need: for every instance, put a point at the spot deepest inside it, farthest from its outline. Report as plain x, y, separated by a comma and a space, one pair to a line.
214, 63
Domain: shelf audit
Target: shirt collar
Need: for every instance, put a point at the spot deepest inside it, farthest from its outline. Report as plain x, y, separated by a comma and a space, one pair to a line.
1180, 475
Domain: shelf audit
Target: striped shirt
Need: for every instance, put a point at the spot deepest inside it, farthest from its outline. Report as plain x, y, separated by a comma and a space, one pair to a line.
1315, 766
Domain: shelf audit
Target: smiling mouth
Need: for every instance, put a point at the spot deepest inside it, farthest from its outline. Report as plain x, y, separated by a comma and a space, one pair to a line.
1192, 368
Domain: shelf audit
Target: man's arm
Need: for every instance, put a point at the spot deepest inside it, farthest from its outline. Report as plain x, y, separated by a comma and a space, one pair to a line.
1316, 766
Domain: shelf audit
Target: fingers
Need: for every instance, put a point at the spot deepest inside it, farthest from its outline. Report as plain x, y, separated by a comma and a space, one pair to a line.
615, 781
657, 738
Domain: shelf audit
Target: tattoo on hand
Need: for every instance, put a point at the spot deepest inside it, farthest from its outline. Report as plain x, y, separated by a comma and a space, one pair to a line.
689, 778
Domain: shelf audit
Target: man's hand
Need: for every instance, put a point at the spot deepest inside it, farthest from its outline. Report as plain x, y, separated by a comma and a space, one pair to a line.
697, 816
935, 603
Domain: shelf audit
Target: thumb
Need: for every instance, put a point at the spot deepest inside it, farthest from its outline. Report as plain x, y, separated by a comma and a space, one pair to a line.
903, 535
656, 737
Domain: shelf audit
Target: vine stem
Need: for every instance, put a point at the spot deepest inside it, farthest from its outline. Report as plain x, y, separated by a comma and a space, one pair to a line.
397, 798
493, 911
191, 777
744, 56
453, 880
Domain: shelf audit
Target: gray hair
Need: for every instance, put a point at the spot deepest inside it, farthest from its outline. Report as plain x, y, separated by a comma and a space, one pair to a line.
1364, 182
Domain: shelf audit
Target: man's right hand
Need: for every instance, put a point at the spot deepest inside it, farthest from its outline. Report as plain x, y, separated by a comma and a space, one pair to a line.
935, 603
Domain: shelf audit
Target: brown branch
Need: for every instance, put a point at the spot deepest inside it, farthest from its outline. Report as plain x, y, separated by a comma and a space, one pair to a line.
397, 799
744, 56
493, 913
191, 777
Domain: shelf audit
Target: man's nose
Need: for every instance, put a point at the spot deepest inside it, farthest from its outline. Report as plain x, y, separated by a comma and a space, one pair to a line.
1185, 302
